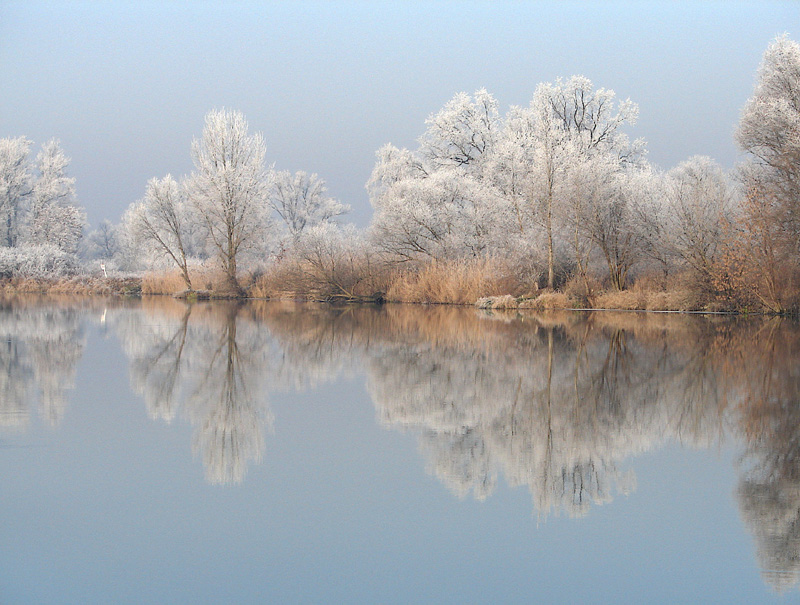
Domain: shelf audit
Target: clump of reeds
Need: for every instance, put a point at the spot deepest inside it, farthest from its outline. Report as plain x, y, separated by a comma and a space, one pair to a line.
549, 300
506, 301
171, 282
451, 282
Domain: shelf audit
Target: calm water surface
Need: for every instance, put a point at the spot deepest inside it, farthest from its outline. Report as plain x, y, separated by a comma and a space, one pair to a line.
269, 452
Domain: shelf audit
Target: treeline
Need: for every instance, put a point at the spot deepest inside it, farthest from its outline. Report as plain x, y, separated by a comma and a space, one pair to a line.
551, 197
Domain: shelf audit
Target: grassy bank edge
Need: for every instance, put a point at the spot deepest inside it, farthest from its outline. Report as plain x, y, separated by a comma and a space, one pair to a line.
636, 302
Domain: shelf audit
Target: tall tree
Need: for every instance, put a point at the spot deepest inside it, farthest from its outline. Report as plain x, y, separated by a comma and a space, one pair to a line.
569, 115
229, 188
54, 217
769, 131
15, 186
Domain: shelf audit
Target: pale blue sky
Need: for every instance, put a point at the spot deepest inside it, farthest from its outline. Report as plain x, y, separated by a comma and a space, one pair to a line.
125, 85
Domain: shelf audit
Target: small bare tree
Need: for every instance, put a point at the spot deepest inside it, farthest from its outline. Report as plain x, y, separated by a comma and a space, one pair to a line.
159, 222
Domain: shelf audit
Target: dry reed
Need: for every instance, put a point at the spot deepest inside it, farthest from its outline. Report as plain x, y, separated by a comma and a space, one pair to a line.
459, 282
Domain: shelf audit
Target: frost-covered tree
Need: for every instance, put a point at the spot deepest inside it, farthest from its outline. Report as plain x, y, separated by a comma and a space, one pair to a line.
435, 203
229, 188
159, 222
700, 198
54, 216
445, 216
103, 242
572, 121
769, 131
15, 187
301, 202
462, 131
480, 184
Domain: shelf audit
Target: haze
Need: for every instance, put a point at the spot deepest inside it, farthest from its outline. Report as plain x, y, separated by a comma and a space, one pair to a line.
125, 86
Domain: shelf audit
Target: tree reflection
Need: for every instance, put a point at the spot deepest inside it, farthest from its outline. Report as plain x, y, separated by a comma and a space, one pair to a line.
230, 418
552, 404
556, 403
769, 484
41, 344
199, 358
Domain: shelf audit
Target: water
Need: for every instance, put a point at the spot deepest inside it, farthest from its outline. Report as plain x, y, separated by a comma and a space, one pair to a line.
154, 452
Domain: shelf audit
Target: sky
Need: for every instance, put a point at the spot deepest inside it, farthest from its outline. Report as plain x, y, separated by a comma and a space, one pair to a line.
125, 85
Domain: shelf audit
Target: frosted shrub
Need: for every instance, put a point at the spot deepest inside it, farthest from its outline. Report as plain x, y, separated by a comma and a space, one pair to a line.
43, 261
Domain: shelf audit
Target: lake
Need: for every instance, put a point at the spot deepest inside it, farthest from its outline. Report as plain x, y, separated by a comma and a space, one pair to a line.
152, 451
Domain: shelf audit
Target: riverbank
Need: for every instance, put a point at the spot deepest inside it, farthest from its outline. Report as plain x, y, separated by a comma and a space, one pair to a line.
76, 286
453, 284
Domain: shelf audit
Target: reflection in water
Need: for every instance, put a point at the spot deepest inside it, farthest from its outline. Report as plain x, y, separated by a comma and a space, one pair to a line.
769, 486
209, 360
552, 405
556, 403
39, 352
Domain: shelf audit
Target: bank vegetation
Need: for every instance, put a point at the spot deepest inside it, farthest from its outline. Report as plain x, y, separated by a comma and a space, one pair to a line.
550, 205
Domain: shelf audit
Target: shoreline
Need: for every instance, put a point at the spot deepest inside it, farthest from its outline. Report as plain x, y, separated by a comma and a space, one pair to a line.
131, 287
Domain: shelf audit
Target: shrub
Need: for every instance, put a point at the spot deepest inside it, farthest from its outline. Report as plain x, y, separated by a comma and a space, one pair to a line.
37, 262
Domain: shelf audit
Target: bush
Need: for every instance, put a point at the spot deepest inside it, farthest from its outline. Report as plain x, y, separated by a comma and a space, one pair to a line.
44, 261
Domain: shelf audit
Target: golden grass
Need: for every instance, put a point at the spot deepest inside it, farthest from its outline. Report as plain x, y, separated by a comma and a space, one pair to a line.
548, 301
72, 286
626, 300
459, 282
170, 282
279, 281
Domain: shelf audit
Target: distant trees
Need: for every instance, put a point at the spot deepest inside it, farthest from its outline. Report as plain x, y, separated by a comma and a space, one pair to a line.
38, 209
300, 202
102, 242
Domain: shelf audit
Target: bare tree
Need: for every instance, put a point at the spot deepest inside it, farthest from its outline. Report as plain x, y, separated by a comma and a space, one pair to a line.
159, 222
228, 188
54, 216
15, 185
102, 242
700, 198
299, 200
